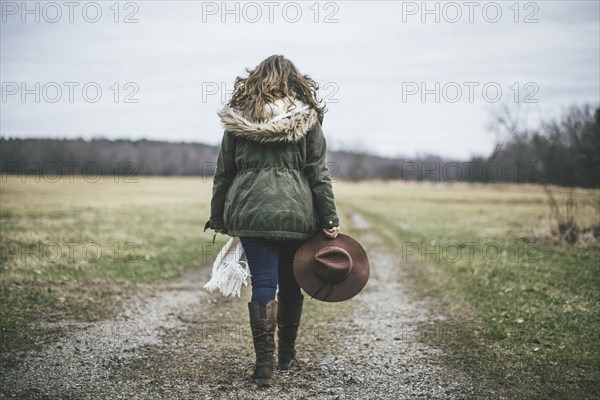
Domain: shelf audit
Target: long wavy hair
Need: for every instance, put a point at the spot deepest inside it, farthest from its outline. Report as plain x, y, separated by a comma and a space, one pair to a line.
274, 78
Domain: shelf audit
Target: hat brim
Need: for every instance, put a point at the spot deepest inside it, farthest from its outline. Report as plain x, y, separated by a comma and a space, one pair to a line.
314, 286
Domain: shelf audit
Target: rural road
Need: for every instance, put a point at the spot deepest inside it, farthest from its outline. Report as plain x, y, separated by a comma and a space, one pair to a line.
176, 341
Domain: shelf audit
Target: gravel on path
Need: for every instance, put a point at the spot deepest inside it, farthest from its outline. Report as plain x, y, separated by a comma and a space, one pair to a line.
174, 340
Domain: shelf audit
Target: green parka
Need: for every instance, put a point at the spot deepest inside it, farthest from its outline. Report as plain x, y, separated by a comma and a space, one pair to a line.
271, 178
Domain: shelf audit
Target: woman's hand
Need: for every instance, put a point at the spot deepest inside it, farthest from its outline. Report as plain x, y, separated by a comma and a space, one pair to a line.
331, 232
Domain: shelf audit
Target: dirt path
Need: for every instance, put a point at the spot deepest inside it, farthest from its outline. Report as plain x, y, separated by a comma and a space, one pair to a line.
177, 341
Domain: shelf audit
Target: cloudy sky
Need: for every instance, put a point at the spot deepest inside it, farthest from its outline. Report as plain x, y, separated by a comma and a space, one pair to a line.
399, 78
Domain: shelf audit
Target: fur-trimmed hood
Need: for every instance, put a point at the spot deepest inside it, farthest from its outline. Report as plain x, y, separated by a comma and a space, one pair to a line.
286, 120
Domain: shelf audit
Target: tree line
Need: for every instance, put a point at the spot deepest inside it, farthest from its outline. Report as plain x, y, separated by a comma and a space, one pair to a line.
564, 152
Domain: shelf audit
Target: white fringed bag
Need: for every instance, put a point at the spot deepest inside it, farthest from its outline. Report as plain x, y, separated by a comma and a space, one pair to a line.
229, 272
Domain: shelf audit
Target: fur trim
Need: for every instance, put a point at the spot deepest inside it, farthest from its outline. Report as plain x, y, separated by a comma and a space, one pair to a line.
285, 123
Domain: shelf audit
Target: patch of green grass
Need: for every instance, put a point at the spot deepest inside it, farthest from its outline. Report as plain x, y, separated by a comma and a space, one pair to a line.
525, 308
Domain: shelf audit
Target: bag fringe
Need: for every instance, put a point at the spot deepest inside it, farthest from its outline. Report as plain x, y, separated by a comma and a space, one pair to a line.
229, 273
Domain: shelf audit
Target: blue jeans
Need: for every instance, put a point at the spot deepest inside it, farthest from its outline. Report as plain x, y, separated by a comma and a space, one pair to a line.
271, 263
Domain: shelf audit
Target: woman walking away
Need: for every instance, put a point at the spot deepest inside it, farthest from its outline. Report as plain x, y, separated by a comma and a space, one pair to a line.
272, 189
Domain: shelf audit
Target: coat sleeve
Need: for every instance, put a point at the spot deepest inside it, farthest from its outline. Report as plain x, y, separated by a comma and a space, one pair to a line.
318, 177
225, 172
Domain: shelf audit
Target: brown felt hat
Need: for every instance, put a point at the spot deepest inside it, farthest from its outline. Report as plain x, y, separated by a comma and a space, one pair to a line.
331, 269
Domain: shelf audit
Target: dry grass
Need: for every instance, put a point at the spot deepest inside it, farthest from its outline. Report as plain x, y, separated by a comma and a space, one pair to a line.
528, 302
74, 250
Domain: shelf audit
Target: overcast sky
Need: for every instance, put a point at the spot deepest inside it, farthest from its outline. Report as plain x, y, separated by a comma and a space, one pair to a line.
372, 59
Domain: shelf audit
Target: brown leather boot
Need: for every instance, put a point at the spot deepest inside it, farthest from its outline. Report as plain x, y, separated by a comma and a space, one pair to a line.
288, 321
262, 323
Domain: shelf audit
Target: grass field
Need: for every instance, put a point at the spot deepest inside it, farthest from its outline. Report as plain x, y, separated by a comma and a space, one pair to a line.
526, 306
70, 249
